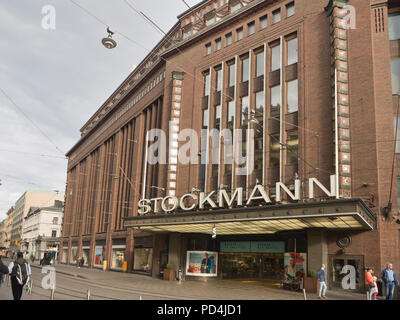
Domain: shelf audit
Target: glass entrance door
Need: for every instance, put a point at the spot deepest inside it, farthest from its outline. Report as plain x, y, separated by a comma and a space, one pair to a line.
252, 265
336, 264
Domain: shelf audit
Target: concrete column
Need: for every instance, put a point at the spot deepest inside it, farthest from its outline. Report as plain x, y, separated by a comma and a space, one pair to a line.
317, 254
174, 253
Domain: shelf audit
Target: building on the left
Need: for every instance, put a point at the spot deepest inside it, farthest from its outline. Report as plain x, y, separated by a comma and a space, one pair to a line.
16, 216
42, 230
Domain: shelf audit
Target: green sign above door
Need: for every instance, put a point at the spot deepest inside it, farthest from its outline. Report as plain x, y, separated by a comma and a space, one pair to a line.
253, 246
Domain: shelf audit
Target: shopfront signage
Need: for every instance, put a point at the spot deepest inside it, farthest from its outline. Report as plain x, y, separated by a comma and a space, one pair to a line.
235, 246
253, 246
268, 246
202, 200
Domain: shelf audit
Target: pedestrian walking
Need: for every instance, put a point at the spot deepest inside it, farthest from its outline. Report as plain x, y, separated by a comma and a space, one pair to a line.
20, 272
390, 280
322, 283
3, 268
82, 261
369, 282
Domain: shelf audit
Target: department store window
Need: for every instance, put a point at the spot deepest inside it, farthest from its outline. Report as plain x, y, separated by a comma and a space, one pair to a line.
395, 66
292, 147
251, 28
228, 39
244, 111
187, 34
260, 64
206, 84
290, 9
264, 22
118, 257
210, 21
239, 34
292, 54
398, 195
218, 79
231, 114
275, 58
236, 7
292, 96
245, 70
275, 99
232, 75
394, 25
277, 15
398, 132
208, 49
143, 259
274, 151
218, 44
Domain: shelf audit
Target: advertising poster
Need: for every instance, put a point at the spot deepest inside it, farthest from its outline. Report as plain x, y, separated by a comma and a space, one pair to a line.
201, 263
99, 253
295, 265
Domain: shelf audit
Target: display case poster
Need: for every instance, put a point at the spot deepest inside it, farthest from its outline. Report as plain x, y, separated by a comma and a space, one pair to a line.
201, 263
295, 265
99, 253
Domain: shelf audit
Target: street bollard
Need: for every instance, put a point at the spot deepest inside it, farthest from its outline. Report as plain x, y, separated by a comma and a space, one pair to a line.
88, 294
52, 293
368, 296
140, 298
8, 280
304, 294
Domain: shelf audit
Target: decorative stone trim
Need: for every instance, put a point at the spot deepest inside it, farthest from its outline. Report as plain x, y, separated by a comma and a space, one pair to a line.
176, 100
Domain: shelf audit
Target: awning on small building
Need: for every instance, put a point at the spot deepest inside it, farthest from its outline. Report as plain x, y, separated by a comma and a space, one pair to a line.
344, 214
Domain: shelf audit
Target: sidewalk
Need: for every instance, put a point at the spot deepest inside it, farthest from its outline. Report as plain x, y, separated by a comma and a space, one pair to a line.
189, 289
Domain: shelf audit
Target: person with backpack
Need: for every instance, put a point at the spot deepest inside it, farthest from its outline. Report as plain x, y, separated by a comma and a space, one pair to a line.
20, 271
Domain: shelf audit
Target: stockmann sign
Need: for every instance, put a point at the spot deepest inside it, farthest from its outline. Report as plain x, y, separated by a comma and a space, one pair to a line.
200, 200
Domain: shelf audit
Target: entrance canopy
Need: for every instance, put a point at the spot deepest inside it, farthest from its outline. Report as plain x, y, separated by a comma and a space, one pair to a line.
347, 214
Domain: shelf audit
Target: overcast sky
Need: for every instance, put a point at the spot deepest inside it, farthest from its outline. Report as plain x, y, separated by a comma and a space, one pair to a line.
60, 77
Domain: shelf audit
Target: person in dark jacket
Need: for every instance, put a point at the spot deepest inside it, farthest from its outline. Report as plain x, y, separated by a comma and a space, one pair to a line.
17, 288
390, 280
322, 284
3, 268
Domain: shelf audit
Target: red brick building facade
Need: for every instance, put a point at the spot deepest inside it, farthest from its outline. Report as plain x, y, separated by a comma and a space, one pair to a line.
312, 79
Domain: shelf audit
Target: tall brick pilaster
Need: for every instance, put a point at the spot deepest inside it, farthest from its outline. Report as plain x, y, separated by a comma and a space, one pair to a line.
339, 68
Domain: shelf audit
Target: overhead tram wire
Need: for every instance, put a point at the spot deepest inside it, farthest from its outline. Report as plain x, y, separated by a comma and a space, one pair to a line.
140, 13
30, 120
34, 154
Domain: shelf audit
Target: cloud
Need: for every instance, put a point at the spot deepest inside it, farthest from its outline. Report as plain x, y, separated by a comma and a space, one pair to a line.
59, 78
